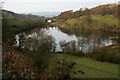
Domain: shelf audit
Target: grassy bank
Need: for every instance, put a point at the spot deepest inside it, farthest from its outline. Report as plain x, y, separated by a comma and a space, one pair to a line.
91, 68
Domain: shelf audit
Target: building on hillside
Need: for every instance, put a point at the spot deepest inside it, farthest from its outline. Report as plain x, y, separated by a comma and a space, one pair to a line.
49, 21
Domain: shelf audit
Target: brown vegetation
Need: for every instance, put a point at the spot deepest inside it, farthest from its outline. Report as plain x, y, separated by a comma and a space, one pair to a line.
13, 67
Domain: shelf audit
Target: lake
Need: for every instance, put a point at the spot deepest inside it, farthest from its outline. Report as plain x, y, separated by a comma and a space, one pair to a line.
88, 39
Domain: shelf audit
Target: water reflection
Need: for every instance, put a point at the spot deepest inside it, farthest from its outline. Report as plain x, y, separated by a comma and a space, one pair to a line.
85, 41
88, 41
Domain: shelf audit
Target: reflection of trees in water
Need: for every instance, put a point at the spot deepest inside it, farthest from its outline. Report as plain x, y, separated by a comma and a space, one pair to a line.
82, 45
69, 47
86, 33
89, 41
89, 44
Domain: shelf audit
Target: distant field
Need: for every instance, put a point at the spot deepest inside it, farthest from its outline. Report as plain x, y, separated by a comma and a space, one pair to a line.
56, 22
97, 21
108, 19
92, 68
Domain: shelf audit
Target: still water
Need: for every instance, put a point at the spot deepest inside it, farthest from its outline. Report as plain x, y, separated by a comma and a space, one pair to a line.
90, 38
59, 35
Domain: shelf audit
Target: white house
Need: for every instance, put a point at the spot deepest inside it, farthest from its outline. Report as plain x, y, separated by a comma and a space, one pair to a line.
49, 21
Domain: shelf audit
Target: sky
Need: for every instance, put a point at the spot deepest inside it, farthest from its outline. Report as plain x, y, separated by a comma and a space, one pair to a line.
20, 6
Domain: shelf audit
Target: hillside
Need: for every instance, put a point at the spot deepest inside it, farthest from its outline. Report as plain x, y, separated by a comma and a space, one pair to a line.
102, 17
14, 23
98, 10
6, 13
97, 22
90, 67
64, 15
24, 63
46, 14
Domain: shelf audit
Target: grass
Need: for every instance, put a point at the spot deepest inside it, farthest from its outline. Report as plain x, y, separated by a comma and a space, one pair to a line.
98, 21
12, 21
92, 68
108, 19
57, 22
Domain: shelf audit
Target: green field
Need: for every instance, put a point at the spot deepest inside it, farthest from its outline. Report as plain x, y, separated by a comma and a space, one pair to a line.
108, 19
56, 22
97, 21
92, 68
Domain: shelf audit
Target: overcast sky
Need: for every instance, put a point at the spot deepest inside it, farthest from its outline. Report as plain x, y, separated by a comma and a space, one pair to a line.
51, 5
